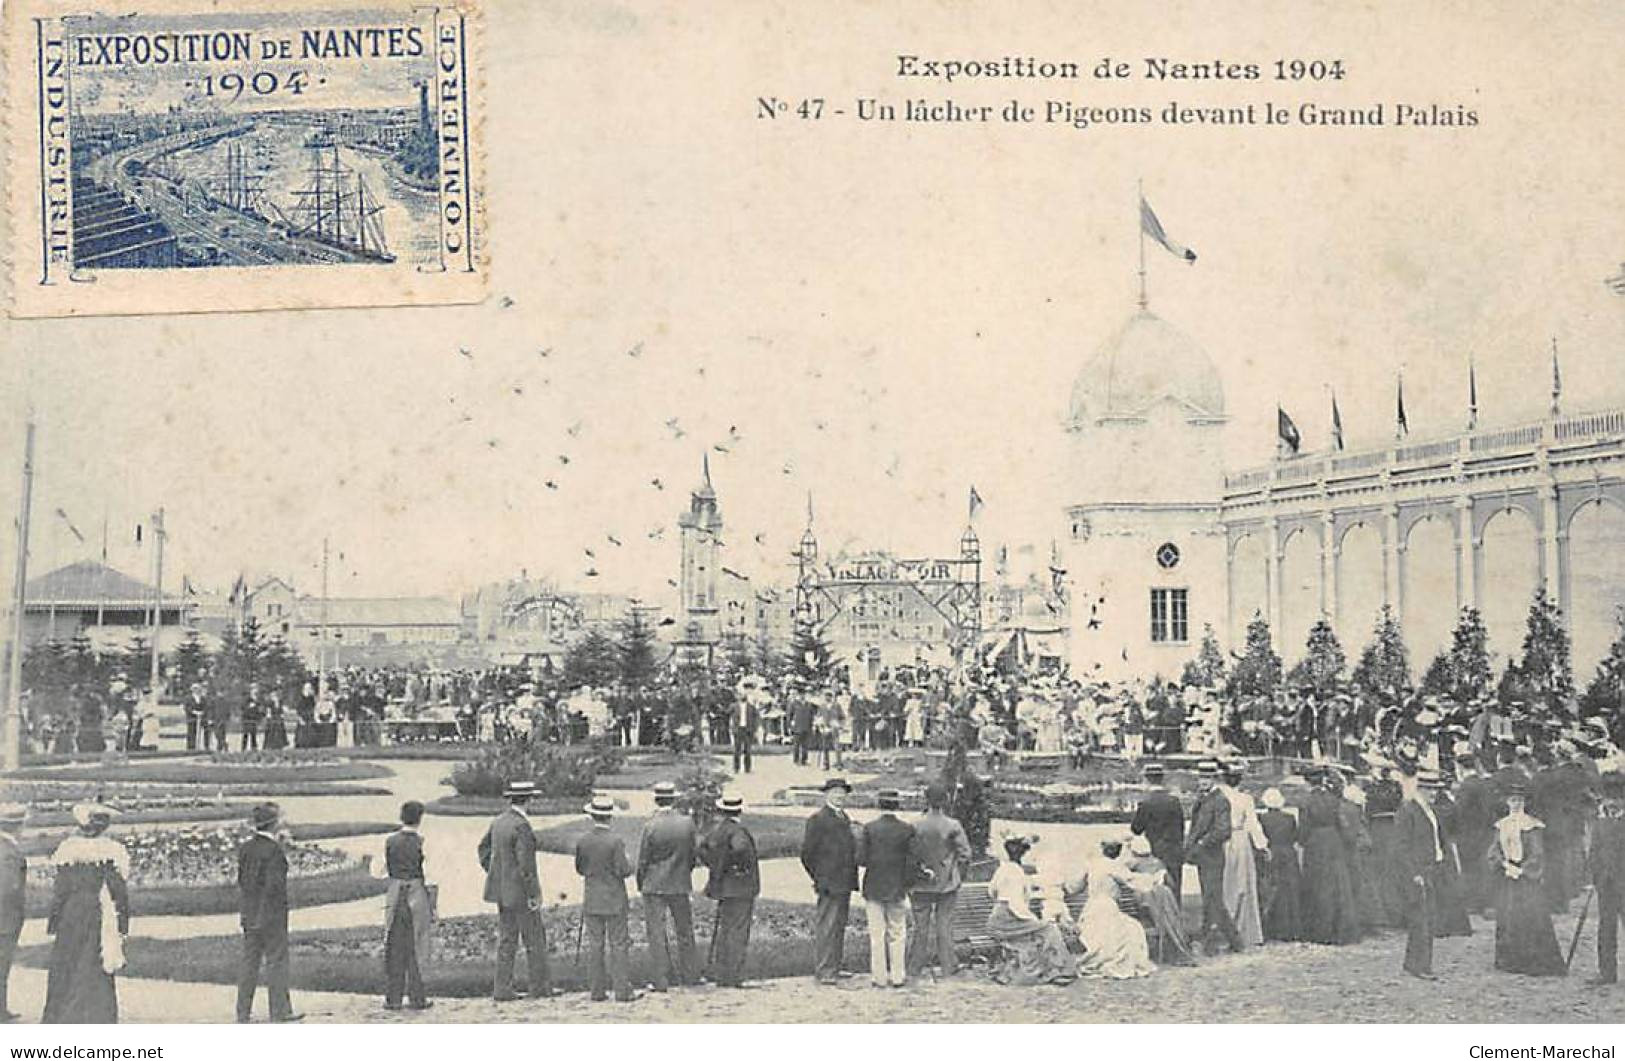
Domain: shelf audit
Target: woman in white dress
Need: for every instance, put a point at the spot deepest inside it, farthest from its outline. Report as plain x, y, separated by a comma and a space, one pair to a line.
1040, 952
1114, 942
1240, 865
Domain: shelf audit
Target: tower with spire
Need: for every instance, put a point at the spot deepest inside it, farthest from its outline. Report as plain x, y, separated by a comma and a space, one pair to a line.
701, 527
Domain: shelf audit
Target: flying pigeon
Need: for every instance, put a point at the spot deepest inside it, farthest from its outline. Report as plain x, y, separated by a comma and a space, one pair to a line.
612, 539
544, 351
465, 352
590, 553
564, 458
761, 539
720, 448
574, 429
592, 572
657, 484
551, 485
657, 534
636, 351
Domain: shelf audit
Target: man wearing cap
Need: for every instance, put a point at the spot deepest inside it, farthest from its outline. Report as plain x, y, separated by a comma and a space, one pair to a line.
886, 851
666, 859
262, 876
601, 860
1421, 856
729, 853
508, 855
942, 851
829, 854
13, 890
1161, 819
1204, 846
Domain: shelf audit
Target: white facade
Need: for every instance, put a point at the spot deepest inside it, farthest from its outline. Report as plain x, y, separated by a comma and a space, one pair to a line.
1146, 553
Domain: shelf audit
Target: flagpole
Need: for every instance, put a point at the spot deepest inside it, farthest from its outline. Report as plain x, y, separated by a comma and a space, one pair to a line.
11, 728
1139, 206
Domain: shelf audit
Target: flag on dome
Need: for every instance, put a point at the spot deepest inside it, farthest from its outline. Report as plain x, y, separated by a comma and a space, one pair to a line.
1402, 426
1472, 396
1153, 228
1337, 424
975, 502
1287, 430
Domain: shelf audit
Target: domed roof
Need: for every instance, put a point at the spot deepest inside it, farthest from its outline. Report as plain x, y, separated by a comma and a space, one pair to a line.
1147, 361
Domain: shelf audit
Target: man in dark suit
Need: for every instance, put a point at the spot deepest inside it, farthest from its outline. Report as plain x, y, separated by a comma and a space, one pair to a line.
886, 851
729, 853
801, 725
197, 717
508, 856
13, 890
253, 715
942, 852
1161, 819
1475, 827
829, 854
601, 860
262, 876
1421, 858
219, 722
744, 720
1204, 845
666, 858
408, 911
1608, 876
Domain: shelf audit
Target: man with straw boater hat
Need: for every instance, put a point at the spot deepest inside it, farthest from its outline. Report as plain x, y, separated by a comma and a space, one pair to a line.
601, 860
666, 859
729, 852
508, 856
1204, 846
13, 890
1160, 818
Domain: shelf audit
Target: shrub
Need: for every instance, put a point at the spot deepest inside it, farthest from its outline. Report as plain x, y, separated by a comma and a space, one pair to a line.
557, 771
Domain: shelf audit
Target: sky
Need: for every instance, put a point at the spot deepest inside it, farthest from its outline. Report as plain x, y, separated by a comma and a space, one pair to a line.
878, 315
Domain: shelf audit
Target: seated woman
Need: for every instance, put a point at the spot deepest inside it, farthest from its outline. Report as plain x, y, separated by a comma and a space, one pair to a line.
1114, 941
1159, 901
1041, 954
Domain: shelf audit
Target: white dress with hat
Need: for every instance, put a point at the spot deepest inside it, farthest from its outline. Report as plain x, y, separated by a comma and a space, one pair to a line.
1114, 942
1240, 868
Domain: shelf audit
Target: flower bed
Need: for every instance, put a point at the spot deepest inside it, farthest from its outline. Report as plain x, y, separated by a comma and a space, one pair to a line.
465, 947
207, 772
43, 843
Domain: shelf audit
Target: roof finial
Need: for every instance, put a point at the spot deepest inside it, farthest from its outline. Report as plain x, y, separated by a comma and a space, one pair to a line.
705, 466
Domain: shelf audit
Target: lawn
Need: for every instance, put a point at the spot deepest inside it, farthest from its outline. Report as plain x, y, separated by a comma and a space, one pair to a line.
776, 835
209, 812
352, 959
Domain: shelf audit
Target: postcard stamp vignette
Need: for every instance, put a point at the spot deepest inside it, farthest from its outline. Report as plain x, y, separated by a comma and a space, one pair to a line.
304, 154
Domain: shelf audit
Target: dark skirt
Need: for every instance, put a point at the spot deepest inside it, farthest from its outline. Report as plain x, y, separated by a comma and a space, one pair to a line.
1525, 941
1329, 912
1283, 895
77, 990
276, 735
1387, 875
1450, 916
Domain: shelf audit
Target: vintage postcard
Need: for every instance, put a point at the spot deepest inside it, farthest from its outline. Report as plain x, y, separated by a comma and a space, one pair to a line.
173, 159
946, 512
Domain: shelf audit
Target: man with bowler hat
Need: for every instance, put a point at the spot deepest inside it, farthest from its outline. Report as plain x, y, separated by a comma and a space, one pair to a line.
13, 890
729, 853
508, 856
262, 877
829, 854
666, 859
601, 860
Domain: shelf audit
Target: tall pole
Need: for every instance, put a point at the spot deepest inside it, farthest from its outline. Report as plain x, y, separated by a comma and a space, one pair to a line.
158, 601
11, 729
321, 651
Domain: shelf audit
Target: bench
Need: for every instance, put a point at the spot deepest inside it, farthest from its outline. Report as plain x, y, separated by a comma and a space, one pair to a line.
976, 904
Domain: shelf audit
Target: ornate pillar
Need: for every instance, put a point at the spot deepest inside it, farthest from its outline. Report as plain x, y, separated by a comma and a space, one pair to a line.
1466, 558
1273, 578
1393, 558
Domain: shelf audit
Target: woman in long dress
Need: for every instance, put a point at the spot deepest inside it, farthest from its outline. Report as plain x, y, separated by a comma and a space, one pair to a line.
1040, 952
90, 916
1114, 943
1329, 913
1240, 864
1159, 901
1283, 885
1524, 939
1362, 857
276, 724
